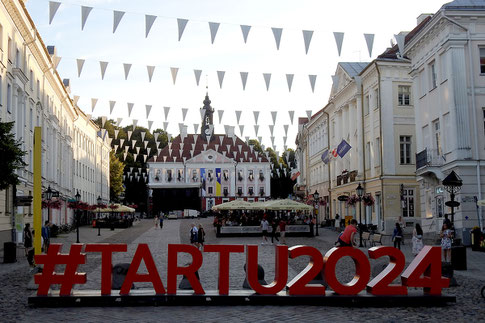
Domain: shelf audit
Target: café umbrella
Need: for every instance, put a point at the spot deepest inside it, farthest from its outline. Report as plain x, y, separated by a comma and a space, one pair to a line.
287, 204
232, 205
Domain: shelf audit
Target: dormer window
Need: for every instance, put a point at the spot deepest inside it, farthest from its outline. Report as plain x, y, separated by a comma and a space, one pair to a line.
251, 175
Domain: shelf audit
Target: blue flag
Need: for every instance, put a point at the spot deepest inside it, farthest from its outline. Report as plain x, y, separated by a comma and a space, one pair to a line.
325, 157
343, 148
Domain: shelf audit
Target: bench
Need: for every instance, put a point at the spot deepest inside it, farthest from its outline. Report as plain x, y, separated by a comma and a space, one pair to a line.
365, 238
376, 239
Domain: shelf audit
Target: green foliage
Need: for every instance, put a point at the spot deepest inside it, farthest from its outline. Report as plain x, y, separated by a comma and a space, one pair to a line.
116, 168
11, 155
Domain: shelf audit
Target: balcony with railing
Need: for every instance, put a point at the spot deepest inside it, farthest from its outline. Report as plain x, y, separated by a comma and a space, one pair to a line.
346, 177
429, 158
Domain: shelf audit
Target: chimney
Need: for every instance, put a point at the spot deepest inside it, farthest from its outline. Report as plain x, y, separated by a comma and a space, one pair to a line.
423, 16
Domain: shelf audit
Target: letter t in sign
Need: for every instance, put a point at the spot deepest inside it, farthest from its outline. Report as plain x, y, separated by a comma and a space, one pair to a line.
224, 251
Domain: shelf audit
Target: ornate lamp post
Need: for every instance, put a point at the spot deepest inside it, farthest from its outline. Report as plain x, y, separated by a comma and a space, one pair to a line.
48, 196
452, 184
99, 200
316, 198
360, 193
78, 199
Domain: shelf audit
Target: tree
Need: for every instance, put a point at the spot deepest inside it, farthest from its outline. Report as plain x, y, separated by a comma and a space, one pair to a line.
116, 168
11, 156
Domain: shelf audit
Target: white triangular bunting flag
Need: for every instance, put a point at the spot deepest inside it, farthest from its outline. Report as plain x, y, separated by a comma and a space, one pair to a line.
284, 141
117, 15
103, 121
135, 123
111, 107
149, 20
339, 39
56, 62
369, 40
122, 142
307, 38
245, 155
127, 148
228, 147
159, 150
309, 114
76, 99
213, 26
165, 125
174, 71
244, 79
256, 129
286, 129
220, 113
241, 129
129, 134
130, 108
166, 110
93, 103
148, 150
267, 79
143, 134
124, 158
148, 109
400, 43
118, 120
335, 80
273, 116
240, 148
53, 6
289, 80
221, 140
127, 68
116, 148
135, 156
184, 113
80, 64
85, 11
220, 77
196, 127
238, 115
137, 150
103, 66
313, 79
117, 131
181, 23
271, 128
145, 144
150, 70
272, 140
256, 116
150, 124
202, 113
144, 160
155, 136
197, 74
245, 31
277, 36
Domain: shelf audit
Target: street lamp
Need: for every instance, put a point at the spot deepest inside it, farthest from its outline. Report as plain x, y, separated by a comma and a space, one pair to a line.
452, 184
360, 193
48, 196
78, 199
99, 200
316, 197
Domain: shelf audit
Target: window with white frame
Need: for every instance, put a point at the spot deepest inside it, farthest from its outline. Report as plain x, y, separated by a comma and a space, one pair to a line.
482, 60
432, 74
408, 202
404, 95
366, 105
437, 137
405, 150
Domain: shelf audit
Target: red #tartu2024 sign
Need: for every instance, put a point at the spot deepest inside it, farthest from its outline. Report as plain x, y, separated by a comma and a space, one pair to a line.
424, 271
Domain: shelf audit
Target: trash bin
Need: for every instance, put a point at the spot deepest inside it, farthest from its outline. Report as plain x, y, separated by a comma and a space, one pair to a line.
458, 257
9, 252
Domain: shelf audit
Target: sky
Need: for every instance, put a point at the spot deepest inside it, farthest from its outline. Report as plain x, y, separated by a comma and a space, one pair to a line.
229, 53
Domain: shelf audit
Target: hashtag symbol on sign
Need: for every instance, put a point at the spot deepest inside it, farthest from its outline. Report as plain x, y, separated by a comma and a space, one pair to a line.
49, 277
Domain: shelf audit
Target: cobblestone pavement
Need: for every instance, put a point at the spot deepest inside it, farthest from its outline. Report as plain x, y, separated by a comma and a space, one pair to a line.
15, 278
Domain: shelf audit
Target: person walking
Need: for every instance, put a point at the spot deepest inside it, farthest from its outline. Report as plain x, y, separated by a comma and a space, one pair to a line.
282, 225
155, 222
46, 235
194, 235
28, 244
446, 235
264, 226
274, 228
161, 221
201, 236
417, 239
347, 238
397, 236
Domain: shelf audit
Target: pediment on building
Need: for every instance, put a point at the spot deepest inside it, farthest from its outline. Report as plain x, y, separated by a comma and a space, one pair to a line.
210, 156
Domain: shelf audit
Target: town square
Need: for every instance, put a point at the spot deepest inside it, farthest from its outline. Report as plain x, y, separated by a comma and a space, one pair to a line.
242, 161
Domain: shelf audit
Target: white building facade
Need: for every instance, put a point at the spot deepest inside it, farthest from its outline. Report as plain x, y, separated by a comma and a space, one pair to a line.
448, 71
32, 94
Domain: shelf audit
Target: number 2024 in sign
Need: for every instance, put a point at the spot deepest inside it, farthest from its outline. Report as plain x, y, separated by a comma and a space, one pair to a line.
424, 271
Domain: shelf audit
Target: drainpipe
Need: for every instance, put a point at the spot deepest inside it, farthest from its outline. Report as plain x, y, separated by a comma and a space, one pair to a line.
474, 109
379, 106
329, 179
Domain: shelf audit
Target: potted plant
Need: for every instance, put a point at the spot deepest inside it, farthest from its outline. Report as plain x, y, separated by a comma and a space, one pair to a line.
353, 200
368, 200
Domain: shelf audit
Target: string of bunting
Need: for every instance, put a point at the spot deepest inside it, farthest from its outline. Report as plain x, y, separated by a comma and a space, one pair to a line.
182, 23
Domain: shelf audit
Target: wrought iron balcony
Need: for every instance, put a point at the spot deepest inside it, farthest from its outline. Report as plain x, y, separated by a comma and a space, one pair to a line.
429, 157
